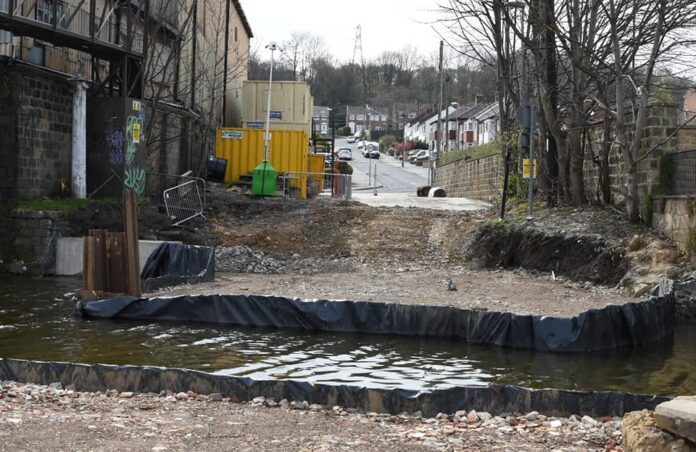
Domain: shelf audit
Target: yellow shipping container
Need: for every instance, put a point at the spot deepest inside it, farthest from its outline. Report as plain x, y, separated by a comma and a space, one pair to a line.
243, 150
291, 105
316, 165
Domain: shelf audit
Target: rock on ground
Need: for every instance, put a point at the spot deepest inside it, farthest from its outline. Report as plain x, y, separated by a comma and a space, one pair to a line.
640, 434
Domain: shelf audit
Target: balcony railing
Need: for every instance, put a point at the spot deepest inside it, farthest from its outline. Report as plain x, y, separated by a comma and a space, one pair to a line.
64, 16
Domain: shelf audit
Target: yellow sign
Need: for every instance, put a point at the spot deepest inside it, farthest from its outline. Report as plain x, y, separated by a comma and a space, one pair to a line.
136, 132
525, 168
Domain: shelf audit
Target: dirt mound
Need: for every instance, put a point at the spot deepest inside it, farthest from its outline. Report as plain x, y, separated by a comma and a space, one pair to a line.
330, 230
578, 257
312, 236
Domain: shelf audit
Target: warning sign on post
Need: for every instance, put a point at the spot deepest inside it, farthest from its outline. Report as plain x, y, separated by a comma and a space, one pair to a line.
525, 168
136, 132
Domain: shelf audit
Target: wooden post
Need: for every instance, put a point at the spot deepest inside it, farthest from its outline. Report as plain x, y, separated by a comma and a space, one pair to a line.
100, 267
116, 263
130, 228
88, 264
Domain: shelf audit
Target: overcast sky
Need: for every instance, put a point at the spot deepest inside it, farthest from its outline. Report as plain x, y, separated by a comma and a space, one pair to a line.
386, 24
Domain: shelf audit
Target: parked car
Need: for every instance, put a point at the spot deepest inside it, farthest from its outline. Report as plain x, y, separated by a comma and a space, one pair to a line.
345, 154
350, 139
426, 156
413, 158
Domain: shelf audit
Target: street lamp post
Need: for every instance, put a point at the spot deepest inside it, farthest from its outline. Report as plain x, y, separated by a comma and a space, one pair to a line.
264, 176
272, 47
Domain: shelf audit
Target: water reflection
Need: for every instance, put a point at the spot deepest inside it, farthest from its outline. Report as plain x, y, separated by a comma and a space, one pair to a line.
36, 323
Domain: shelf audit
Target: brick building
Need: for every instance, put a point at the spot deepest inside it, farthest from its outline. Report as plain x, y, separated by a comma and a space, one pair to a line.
190, 80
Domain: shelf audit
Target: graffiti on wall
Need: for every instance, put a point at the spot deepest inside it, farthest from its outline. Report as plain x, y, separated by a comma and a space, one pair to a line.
134, 178
134, 132
115, 141
134, 174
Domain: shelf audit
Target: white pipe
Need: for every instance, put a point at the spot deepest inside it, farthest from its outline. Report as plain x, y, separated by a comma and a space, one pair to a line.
79, 141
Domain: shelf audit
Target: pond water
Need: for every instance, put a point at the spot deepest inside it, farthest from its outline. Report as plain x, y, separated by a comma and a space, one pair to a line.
37, 323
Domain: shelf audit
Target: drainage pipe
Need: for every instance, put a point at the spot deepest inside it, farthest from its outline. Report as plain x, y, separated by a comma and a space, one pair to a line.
79, 141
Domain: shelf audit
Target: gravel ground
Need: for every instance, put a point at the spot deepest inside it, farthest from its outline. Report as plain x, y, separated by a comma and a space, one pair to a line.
50, 418
518, 291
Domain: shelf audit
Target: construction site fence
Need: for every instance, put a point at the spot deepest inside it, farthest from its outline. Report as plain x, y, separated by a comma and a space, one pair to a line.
158, 183
338, 185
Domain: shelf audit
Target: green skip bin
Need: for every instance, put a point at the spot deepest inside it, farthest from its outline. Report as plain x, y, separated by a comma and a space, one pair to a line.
263, 179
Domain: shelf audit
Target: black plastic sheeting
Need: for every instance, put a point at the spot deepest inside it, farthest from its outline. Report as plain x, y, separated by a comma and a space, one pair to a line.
494, 399
172, 264
614, 326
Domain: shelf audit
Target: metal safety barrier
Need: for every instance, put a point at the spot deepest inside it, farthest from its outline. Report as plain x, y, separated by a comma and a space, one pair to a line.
682, 172
339, 185
157, 183
183, 202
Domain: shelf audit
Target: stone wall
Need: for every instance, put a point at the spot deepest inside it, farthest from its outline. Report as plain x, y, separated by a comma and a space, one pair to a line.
38, 147
34, 243
480, 178
676, 217
661, 122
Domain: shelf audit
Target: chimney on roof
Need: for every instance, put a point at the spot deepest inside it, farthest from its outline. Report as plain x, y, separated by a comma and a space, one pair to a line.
480, 99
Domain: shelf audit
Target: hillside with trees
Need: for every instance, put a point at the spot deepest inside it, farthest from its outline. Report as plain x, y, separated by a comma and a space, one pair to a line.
402, 76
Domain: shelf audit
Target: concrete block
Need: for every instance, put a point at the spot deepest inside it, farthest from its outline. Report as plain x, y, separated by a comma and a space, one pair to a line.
69, 254
678, 416
641, 435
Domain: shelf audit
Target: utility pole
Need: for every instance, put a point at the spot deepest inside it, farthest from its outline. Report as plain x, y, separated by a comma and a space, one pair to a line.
403, 140
447, 118
439, 117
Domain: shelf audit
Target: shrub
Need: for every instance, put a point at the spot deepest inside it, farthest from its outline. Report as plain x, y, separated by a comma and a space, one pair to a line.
343, 131
387, 142
420, 145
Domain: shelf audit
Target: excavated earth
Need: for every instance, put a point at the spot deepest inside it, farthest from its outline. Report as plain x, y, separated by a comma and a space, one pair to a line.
562, 263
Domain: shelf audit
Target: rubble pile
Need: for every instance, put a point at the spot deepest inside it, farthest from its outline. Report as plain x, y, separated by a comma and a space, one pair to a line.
242, 259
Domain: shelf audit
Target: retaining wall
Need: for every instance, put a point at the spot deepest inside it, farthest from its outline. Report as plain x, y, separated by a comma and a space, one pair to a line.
35, 234
36, 143
480, 178
483, 178
676, 217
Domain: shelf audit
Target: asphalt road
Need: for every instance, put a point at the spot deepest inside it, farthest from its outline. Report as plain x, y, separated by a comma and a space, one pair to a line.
391, 177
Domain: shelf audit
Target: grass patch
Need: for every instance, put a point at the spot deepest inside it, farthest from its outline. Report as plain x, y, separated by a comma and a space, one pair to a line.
61, 204
472, 152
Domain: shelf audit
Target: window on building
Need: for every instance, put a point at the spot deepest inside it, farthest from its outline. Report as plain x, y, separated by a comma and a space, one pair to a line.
361, 117
44, 11
235, 34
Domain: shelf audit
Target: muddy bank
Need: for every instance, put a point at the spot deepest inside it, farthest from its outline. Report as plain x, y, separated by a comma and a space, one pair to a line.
579, 257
